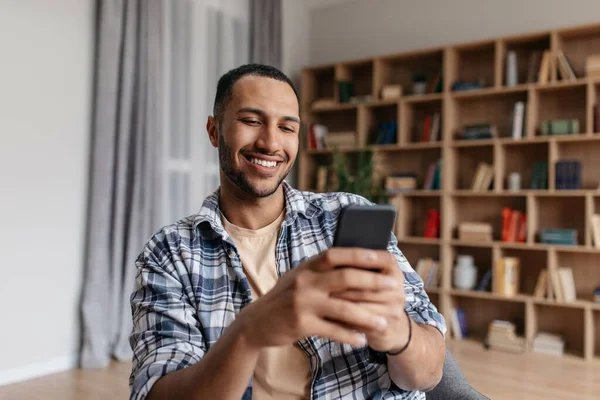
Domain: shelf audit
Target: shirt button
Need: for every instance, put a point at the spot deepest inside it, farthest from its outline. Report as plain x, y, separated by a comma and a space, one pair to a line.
232, 254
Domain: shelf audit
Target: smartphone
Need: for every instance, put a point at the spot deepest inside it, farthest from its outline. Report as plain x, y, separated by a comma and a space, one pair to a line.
365, 226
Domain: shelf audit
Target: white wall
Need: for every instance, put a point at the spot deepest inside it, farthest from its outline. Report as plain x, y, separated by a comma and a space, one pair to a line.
366, 28
46, 50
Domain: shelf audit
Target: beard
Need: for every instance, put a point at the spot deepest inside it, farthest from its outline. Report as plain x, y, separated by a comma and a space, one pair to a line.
227, 163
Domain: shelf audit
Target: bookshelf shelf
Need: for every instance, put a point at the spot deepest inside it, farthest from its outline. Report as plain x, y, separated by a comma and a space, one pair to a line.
476, 94
424, 98
420, 145
487, 295
474, 143
419, 240
484, 64
562, 85
422, 193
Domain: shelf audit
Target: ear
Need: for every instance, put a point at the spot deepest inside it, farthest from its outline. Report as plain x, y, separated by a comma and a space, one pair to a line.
213, 131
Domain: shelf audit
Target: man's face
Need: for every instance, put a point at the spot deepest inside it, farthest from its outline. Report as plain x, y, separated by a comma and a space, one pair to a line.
258, 136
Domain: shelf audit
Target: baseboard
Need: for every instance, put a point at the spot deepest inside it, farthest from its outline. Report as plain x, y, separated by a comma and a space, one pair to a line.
31, 371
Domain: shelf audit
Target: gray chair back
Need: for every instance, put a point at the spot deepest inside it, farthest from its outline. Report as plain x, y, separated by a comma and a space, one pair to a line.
454, 385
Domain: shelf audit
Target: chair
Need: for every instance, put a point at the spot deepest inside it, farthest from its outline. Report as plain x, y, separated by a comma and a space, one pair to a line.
454, 385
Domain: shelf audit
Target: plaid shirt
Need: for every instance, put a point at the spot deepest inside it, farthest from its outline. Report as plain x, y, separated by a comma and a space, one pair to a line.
190, 286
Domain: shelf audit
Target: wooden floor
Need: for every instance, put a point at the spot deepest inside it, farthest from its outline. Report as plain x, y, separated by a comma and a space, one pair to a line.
498, 375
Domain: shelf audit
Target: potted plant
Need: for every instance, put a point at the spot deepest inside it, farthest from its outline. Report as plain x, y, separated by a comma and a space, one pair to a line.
419, 83
362, 182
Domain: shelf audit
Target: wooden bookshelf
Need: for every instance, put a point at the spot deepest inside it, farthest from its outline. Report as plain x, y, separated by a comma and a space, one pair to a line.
482, 61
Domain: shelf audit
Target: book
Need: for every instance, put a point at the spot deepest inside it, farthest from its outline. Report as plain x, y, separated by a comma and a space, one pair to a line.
506, 276
554, 281
432, 226
518, 120
560, 127
479, 131
484, 175
544, 72
426, 129
568, 175
514, 225
540, 286
502, 336
595, 225
567, 283
548, 343
435, 127
475, 231
340, 140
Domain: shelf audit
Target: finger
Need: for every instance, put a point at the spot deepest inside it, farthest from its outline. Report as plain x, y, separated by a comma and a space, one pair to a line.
339, 333
384, 310
351, 256
391, 296
356, 279
349, 313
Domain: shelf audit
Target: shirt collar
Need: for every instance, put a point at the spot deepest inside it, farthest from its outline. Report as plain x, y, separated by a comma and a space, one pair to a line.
296, 202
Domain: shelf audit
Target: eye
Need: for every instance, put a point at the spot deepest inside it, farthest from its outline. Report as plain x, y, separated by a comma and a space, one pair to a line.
286, 128
251, 122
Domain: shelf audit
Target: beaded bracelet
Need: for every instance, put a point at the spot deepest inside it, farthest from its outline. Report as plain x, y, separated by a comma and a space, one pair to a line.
395, 353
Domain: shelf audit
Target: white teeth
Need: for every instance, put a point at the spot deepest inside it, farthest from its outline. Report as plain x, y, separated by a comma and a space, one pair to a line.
269, 164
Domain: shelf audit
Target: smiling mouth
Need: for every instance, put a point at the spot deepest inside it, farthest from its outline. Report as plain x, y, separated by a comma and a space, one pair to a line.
263, 163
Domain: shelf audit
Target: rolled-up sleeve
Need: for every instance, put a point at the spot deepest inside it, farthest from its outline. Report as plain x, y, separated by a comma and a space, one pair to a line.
418, 305
166, 333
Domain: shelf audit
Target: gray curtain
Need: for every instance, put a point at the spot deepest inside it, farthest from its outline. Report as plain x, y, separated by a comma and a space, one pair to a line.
124, 171
265, 32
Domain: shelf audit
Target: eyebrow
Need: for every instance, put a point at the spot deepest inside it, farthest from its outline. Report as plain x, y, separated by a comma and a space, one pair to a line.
261, 113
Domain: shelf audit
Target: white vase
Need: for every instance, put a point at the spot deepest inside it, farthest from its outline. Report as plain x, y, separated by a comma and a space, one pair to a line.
465, 273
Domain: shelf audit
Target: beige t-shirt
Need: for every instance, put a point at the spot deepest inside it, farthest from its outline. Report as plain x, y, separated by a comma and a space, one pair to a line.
281, 373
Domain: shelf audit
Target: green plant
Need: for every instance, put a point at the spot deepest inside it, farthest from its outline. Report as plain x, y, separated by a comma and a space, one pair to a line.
419, 77
362, 182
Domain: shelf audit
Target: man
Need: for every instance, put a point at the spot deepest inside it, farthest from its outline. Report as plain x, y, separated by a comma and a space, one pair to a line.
243, 300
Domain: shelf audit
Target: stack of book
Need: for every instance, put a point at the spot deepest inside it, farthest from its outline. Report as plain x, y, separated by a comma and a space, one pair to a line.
484, 175
539, 175
479, 131
475, 232
464, 85
559, 236
502, 336
401, 183
340, 140
506, 276
548, 343
429, 270
560, 127
514, 225
592, 66
568, 175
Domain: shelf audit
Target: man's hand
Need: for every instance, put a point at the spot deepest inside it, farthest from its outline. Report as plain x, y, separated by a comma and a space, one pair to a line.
386, 302
301, 303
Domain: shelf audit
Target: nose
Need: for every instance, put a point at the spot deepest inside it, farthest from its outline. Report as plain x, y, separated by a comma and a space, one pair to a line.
269, 138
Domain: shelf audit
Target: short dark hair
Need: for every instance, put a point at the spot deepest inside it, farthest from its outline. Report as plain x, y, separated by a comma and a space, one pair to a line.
226, 82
